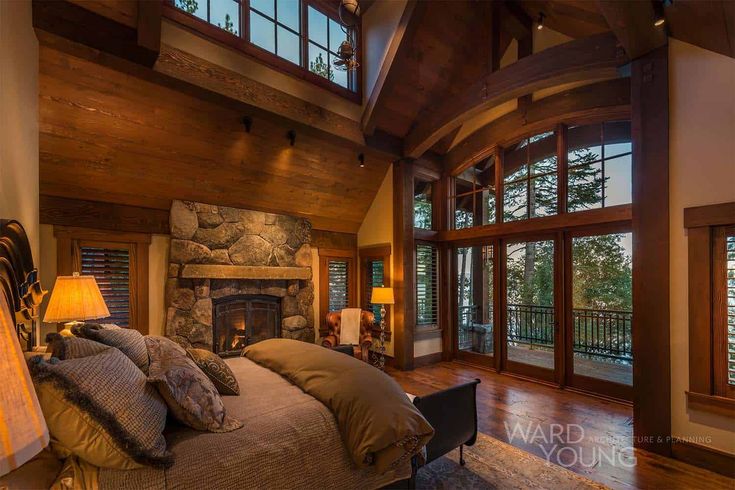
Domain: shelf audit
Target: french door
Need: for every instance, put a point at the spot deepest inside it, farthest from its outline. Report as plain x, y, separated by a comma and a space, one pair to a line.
554, 307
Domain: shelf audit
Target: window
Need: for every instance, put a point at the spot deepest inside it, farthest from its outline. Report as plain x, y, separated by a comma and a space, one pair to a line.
119, 263
711, 249
336, 281
599, 160
476, 299
530, 178
304, 33
427, 300
422, 205
374, 272
474, 195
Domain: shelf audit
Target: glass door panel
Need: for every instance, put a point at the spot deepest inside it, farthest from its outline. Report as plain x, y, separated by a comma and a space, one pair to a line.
475, 299
602, 309
530, 315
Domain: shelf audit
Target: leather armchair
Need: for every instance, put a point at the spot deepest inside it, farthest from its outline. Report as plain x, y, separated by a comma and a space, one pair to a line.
334, 326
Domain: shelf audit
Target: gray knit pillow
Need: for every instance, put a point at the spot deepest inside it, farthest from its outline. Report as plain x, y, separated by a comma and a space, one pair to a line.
116, 416
128, 340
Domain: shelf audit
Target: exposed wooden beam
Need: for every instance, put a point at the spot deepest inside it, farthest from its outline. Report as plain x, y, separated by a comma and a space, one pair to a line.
404, 267
585, 104
632, 23
399, 45
137, 44
708, 24
333, 240
515, 20
102, 215
593, 58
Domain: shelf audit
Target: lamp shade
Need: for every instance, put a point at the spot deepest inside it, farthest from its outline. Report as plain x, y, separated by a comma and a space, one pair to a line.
23, 428
382, 296
75, 298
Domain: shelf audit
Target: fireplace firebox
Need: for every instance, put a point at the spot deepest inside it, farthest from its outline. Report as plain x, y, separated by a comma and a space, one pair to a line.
241, 320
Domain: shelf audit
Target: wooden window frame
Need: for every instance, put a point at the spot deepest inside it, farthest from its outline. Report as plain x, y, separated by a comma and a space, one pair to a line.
436, 327
68, 243
241, 42
366, 255
707, 227
326, 256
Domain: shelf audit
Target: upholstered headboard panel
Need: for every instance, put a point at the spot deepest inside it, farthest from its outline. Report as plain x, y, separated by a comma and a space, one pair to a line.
19, 280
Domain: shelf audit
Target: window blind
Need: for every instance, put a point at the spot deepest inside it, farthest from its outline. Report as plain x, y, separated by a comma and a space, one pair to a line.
375, 278
730, 261
338, 280
427, 303
111, 268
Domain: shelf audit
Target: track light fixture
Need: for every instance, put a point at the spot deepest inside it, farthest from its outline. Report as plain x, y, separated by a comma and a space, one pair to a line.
659, 18
247, 121
540, 22
361, 159
291, 135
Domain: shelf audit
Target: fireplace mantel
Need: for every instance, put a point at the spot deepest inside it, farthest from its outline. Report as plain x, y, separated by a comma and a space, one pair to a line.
209, 271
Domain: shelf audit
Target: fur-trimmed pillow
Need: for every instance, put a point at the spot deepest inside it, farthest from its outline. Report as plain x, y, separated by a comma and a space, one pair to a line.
191, 397
216, 370
128, 340
101, 409
63, 347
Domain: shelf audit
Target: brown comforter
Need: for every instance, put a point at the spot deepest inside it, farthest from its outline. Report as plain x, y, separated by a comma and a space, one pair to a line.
289, 440
378, 424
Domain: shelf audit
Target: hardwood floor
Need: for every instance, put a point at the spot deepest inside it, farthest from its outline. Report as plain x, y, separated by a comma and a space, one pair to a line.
588, 435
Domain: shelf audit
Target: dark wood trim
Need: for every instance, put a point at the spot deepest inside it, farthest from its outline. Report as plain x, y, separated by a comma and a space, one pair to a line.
431, 332
149, 25
719, 405
632, 23
712, 215
333, 240
375, 250
705, 457
425, 235
325, 256
102, 216
79, 233
651, 256
383, 253
700, 309
241, 44
427, 360
596, 102
592, 58
404, 265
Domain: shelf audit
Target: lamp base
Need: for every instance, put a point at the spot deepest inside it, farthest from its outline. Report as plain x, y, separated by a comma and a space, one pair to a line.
66, 332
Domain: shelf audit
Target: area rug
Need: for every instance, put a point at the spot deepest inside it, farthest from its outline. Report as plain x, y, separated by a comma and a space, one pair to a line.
492, 464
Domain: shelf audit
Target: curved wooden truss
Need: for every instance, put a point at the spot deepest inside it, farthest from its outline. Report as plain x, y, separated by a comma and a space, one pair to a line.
599, 101
593, 58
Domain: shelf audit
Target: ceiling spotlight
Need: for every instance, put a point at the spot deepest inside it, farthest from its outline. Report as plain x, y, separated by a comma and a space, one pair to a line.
658, 13
540, 23
361, 159
247, 121
291, 135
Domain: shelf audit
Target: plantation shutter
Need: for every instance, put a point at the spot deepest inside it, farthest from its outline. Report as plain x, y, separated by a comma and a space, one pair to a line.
730, 301
375, 278
339, 293
111, 269
427, 303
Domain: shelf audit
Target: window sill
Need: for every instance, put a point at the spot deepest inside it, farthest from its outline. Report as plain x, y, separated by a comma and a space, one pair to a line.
427, 332
710, 403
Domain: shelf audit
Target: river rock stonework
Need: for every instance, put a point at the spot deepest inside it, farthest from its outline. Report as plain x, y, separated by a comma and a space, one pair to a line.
207, 234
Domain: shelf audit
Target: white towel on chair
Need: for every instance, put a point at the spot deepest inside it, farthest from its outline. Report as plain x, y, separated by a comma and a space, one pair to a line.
349, 334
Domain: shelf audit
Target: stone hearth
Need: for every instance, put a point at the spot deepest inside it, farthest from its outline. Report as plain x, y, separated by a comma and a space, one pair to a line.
255, 253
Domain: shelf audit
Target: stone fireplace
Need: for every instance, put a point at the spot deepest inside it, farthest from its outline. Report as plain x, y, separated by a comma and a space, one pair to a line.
237, 277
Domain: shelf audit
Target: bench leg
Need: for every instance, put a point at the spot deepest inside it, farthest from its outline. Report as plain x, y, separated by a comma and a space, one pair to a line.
461, 455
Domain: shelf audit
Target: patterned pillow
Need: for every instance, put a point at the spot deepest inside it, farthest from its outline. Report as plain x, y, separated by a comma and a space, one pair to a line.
128, 340
190, 395
216, 370
101, 409
63, 348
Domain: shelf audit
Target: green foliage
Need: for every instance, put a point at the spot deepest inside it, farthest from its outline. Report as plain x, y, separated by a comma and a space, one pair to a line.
422, 212
189, 6
321, 68
229, 25
601, 273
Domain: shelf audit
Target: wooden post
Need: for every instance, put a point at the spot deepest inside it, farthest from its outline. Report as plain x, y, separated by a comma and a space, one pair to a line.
404, 265
651, 347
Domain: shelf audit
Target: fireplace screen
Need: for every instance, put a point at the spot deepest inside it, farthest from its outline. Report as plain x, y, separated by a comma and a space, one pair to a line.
243, 320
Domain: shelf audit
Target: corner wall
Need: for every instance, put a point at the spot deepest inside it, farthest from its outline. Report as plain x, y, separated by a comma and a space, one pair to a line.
19, 119
702, 171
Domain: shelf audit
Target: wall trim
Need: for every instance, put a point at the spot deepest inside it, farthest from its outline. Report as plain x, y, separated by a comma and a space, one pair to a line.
704, 457
427, 360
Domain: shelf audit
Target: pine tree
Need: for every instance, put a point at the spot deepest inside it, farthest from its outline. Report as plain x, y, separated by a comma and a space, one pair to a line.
321, 68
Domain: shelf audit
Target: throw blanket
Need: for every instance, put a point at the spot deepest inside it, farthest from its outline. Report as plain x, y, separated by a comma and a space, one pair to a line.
349, 333
377, 422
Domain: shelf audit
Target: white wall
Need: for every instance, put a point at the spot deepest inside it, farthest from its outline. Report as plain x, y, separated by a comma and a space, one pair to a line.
702, 171
19, 119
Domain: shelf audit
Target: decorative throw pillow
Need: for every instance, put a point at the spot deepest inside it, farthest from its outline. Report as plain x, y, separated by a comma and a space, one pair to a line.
101, 409
63, 347
216, 370
190, 395
128, 340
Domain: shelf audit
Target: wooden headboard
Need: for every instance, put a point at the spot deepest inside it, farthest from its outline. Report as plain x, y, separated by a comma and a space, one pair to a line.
19, 280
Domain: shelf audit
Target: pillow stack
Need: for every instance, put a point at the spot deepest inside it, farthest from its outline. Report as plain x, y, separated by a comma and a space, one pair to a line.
106, 392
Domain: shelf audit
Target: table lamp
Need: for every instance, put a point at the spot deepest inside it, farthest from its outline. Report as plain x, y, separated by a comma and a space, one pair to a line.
382, 296
23, 428
75, 298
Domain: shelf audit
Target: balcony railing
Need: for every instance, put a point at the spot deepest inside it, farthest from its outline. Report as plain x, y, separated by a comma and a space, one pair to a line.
597, 333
